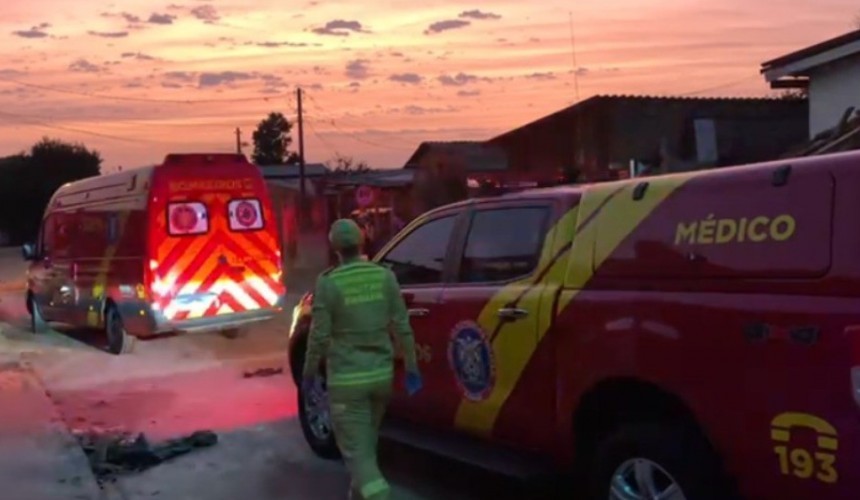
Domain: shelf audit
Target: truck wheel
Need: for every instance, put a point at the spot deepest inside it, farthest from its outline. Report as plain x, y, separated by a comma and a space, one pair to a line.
316, 420
37, 321
666, 461
119, 341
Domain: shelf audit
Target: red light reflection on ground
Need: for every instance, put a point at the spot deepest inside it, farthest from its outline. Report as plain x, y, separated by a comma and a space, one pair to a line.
165, 407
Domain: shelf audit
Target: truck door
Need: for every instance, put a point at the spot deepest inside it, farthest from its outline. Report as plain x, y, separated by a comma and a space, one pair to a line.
493, 307
50, 270
419, 260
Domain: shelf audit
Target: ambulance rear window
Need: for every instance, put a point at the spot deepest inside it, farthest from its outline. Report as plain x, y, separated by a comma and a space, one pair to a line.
245, 214
187, 218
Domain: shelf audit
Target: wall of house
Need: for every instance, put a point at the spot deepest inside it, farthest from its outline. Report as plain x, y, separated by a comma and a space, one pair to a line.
833, 88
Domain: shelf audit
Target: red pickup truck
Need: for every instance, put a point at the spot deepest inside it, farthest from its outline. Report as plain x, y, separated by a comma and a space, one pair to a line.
684, 336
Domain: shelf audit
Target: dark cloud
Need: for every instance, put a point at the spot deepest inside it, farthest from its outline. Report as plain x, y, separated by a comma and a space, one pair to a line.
339, 27
534, 39
183, 76
84, 66
109, 34
134, 84
222, 78
175, 6
10, 73
457, 80
450, 24
477, 14
171, 85
272, 45
206, 13
128, 17
397, 54
421, 110
358, 69
137, 55
34, 32
155, 18
542, 76
315, 86
412, 78
469, 93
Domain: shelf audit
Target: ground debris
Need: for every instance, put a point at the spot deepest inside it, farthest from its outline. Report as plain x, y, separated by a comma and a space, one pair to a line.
113, 453
263, 372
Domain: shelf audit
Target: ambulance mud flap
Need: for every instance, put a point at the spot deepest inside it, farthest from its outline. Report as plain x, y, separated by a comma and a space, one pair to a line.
37, 321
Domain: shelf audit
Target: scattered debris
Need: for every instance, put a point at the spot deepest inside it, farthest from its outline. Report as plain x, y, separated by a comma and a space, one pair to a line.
263, 372
113, 453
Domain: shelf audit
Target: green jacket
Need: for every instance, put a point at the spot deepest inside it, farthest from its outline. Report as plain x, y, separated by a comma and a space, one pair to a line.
355, 307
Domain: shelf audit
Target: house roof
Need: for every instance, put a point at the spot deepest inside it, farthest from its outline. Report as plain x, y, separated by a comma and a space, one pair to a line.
595, 100
476, 155
378, 178
292, 171
798, 63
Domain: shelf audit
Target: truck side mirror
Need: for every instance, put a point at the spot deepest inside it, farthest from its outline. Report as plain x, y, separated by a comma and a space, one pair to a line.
28, 250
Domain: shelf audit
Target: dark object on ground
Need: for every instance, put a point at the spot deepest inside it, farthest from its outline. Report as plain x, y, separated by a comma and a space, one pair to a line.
263, 372
112, 454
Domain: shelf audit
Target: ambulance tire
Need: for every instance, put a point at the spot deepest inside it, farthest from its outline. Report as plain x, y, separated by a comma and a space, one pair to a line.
37, 321
118, 340
677, 448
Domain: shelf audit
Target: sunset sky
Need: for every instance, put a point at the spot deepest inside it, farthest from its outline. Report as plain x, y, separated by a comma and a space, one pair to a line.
138, 79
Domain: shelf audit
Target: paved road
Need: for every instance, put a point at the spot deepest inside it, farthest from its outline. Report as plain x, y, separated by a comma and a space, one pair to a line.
178, 385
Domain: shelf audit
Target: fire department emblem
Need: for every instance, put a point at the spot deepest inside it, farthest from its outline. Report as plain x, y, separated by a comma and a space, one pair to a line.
471, 357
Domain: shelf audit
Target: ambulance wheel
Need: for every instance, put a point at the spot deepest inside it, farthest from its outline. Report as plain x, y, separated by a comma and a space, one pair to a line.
658, 460
37, 321
316, 421
118, 339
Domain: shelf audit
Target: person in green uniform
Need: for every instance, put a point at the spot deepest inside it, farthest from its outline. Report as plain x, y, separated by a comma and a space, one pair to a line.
355, 306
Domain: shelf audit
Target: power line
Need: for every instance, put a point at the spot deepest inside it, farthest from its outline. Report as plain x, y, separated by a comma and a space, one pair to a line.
719, 87
353, 135
41, 123
139, 99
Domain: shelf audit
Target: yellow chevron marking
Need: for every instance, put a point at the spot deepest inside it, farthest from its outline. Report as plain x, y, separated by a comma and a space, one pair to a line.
516, 342
94, 317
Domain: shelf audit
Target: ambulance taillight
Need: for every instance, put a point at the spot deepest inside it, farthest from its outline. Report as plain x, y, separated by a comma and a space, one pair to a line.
187, 218
245, 214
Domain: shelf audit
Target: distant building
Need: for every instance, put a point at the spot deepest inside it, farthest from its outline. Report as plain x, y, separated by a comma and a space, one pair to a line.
829, 71
596, 139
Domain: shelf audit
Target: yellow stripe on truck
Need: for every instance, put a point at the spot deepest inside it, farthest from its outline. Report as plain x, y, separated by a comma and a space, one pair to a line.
515, 343
94, 317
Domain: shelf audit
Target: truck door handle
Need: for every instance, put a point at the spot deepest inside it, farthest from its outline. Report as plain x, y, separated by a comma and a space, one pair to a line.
512, 313
418, 312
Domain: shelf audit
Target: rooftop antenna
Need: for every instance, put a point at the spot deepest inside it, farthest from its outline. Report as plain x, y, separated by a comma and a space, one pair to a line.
573, 56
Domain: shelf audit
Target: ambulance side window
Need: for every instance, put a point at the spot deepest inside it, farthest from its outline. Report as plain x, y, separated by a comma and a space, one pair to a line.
503, 244
419, 258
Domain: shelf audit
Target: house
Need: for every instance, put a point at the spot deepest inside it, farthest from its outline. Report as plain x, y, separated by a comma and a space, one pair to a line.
599, 138
828, 71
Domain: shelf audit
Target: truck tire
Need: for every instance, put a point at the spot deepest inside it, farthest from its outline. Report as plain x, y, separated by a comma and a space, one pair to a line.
315, 421
661, 457
118, 339
37, 321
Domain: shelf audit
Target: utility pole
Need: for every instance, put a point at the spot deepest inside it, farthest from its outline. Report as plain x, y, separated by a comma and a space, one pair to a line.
302, 201
238, 140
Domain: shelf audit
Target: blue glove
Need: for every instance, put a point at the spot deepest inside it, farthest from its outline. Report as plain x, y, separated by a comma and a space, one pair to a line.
413, 383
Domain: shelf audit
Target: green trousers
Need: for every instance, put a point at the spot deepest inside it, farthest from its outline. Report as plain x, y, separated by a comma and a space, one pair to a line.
356, 413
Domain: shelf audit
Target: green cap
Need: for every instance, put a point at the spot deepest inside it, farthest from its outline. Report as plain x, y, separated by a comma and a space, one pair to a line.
344, 233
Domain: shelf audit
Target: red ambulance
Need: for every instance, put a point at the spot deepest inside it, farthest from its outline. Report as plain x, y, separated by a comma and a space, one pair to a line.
189, 245
692, 336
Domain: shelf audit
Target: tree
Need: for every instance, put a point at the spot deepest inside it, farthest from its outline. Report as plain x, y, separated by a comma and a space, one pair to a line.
272, 141
28, 180
345, 164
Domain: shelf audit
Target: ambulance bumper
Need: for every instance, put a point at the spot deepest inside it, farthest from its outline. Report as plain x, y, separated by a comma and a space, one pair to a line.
162, 325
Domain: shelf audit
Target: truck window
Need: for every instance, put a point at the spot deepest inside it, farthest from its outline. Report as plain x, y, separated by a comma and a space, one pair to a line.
245, 214
503, 244
419, 258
